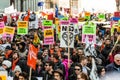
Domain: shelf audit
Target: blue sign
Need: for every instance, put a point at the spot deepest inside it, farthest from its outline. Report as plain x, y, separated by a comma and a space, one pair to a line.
40, 3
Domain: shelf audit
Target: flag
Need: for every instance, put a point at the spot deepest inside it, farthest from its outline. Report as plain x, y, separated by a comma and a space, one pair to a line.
36, 39
93, 73
32, 56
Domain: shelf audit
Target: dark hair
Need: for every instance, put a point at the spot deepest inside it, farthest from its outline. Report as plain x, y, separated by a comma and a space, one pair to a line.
56, 56
24, 74
79, 65
51, 63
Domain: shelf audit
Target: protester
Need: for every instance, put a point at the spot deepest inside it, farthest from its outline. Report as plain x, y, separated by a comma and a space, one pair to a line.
58, 74
82, 76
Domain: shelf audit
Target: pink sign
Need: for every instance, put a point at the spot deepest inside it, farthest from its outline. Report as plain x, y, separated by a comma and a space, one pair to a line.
5, 36
62, 22
2, 24
48, 40
74, 21
91, 38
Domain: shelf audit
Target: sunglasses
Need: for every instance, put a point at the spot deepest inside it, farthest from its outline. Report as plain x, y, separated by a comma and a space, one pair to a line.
76, 69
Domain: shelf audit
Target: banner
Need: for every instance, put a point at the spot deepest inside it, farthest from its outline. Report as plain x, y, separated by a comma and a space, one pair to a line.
67, 34
22, 28
1, 27
32, 56
8, 32
48, 36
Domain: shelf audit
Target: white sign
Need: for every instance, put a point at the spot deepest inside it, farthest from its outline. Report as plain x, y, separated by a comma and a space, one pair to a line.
67, 36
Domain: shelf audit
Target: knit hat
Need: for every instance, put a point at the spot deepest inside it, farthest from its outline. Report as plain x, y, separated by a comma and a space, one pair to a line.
7, 63
17, 68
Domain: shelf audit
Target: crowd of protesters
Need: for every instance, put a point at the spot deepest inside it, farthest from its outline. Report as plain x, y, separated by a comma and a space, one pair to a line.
52, 60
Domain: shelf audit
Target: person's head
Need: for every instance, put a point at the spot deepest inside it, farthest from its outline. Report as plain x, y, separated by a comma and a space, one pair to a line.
45, 52
77, 68
58, 74
56, 48
101, 71
83, 61
23, 76
15, 55
6, 64
80, 51
82, 76
117, 59
17, 70
48, 65
107, 42
55, 58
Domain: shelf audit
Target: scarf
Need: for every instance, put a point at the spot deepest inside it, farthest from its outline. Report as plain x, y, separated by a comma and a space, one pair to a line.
14, 63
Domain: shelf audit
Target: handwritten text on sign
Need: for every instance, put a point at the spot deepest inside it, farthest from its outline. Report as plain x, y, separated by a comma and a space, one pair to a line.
23, 24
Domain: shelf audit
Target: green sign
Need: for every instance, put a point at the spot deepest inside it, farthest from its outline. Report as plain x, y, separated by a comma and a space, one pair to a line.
87, 17
22, 31
101, 16
47, 23
89, 29
65, 18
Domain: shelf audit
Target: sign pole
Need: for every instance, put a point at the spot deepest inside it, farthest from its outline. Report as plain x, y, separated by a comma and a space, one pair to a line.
30, 73
68, 47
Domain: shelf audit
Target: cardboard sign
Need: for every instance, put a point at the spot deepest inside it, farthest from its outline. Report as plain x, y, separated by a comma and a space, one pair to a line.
1, 27
89, 29
101, 16
9, 30
22, 31
2, 24
22, 24
91, 38
48, 33
47, 23
74, 21
48, 36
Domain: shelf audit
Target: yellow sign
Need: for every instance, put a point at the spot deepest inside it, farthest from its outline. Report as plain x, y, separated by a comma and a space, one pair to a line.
87, 13
3, 77
9, 30
22, 24
1, 30
48, 33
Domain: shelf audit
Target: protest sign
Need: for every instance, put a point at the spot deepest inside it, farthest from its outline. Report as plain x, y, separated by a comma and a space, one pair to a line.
87, 15
91, 38
8, 32
22, 24
47, 24
89, 29
48, 36
1, 27
67, 34
22, 28
101, 16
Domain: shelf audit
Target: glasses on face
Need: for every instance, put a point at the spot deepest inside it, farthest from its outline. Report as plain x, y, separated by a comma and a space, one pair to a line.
77, 69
